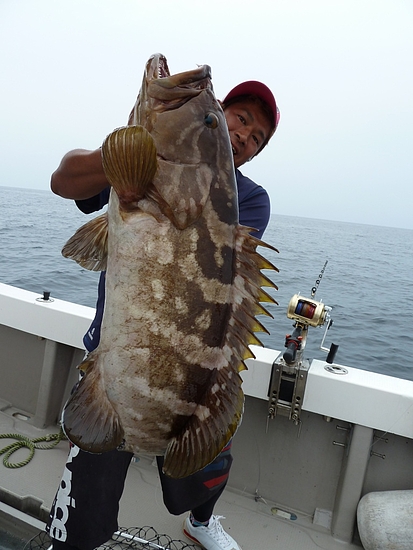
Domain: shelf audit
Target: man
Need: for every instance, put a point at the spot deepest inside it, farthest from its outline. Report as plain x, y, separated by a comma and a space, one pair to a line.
94, 483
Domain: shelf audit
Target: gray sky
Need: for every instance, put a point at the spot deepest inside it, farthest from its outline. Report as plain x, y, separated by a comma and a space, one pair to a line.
341, 71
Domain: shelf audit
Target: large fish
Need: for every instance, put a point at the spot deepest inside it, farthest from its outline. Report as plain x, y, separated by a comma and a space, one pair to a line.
183, 282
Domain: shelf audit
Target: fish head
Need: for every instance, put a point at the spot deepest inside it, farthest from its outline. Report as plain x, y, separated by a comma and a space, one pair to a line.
191, 137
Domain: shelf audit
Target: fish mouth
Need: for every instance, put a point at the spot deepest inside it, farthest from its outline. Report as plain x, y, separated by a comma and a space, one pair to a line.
161, 91
166, 91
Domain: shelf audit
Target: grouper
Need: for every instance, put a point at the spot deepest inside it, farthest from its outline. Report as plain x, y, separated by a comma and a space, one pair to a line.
183, 282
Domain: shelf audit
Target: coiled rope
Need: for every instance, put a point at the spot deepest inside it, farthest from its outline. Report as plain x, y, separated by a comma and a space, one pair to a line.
46, 442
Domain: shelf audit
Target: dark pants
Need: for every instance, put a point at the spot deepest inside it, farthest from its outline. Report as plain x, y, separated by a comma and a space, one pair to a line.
85, 510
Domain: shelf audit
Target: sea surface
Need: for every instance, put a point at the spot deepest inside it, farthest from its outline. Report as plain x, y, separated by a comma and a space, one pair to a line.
368, 280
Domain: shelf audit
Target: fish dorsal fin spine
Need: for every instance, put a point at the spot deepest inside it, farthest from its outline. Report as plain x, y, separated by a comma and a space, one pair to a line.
247, 288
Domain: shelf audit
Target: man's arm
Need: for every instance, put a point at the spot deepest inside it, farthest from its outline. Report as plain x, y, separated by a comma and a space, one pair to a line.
80, 175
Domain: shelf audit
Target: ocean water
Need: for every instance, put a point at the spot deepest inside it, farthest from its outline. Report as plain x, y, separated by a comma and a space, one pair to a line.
368, 280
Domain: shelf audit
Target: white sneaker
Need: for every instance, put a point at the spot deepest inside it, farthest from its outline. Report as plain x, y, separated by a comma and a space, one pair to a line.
212, 537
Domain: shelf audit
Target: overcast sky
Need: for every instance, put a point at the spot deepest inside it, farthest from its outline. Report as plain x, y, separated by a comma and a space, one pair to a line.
341, 71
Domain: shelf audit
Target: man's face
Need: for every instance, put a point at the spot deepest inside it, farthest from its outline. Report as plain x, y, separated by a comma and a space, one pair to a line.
248, 128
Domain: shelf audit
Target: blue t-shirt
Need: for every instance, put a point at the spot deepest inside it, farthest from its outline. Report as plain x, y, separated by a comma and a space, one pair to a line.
254, 211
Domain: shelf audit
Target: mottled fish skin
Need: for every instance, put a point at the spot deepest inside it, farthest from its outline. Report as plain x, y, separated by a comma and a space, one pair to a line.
183, 282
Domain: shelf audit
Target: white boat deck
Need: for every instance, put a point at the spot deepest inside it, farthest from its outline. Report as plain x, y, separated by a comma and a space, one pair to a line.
252, 523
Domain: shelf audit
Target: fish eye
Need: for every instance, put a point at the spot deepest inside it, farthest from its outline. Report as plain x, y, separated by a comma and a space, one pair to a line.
211, 120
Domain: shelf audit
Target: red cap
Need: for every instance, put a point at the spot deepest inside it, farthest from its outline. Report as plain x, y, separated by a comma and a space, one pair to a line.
253, 87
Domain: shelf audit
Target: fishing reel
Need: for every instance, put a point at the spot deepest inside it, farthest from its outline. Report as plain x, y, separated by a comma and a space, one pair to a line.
306, 312
289, 370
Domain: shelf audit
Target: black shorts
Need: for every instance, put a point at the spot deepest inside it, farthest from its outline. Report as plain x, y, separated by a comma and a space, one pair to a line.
84, 513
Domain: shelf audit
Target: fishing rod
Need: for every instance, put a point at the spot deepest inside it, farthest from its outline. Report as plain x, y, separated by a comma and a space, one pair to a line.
289, 370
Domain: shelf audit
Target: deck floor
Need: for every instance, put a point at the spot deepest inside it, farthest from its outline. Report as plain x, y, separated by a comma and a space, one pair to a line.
250, 522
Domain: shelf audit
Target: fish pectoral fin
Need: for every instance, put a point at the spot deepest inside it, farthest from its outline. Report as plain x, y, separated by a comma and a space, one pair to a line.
89, 245
209, 429
89, 419
130, 163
